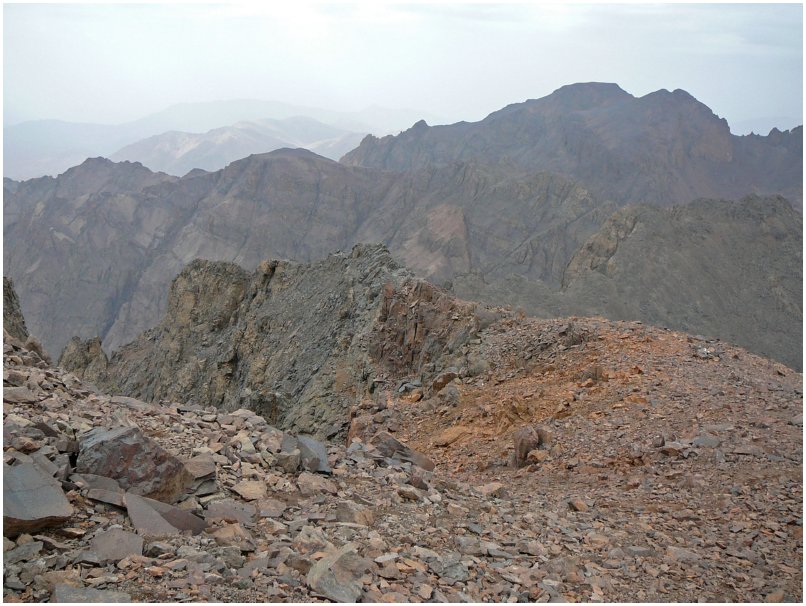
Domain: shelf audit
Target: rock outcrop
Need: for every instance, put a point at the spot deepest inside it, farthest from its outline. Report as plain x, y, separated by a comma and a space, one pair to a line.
298, 344
13, 321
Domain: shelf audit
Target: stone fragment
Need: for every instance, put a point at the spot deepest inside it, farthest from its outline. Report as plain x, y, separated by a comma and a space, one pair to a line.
92, 481
201, 466
409, 493
681, 554
443, 379
234, 535
270, 508
138, 463
19, 395
106, 496
347, 511
31, 500
330, 578
493, 489
66, 594
450, 569
707, 441
312, 484
289, 461
250, 489
450, 435
388, 446
576, 504
115, 544
231, 510
775, 597
23, 553
153, 518
313, 454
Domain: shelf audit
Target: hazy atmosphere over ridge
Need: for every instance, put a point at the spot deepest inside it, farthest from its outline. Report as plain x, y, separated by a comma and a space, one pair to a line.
456, 61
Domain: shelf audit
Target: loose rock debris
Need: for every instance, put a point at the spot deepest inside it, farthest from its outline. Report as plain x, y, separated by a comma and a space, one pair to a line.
668, 477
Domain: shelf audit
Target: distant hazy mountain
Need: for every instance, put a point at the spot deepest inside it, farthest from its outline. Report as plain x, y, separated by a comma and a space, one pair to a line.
663, 148
49, 147
177, 153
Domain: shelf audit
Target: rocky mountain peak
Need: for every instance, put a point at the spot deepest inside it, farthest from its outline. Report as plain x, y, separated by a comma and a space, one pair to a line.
587, 95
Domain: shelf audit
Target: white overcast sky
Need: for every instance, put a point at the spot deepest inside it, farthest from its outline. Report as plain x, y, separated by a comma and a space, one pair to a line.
111, 63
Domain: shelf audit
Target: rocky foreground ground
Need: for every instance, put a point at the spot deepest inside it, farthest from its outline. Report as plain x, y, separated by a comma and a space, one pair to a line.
670, 469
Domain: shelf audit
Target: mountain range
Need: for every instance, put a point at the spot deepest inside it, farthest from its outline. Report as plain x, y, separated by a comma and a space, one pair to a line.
177, 152
49, 147
485, 209
663, 148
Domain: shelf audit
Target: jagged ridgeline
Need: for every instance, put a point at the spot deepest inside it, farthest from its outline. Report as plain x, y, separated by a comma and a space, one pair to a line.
299, 344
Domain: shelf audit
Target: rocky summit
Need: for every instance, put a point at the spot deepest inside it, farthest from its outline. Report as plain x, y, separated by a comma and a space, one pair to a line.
485, 456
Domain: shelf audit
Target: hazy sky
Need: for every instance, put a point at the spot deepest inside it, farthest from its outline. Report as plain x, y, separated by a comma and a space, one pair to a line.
113, 63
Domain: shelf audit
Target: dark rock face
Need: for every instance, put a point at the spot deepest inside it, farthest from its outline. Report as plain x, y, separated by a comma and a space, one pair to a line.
32, 500
138, 463
13, 321
663, 148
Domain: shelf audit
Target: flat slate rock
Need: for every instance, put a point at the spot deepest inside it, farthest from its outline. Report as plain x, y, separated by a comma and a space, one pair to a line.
31, 500
115, 544
154, 518
232, 510
201, 466
65, 594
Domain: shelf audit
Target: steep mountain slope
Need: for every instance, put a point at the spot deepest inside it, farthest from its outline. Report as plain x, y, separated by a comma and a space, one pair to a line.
286, 204
74, 244
662, 148
719, 268
177, 152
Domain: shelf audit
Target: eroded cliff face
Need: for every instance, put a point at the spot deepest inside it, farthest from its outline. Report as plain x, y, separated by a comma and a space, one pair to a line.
299, 344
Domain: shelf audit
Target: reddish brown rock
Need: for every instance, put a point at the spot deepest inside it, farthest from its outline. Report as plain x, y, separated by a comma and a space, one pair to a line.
530, 438
138, 463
